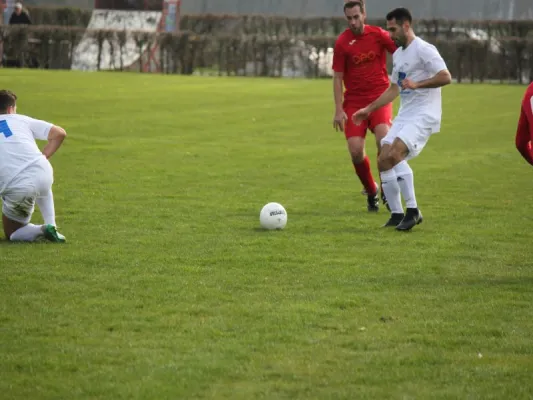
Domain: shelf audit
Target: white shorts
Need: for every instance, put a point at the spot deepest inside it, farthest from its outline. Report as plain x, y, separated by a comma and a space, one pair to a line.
21, 193
415, 136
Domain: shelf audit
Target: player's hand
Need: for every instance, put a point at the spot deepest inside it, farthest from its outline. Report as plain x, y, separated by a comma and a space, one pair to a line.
409, 84
360, 116
339, 121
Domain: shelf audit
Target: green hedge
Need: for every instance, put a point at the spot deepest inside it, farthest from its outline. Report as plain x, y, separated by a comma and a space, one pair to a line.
256, 55
63, 16
255, 24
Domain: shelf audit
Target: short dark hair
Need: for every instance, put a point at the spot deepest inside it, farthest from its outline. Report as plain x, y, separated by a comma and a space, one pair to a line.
400, 15
352, 4
7, 99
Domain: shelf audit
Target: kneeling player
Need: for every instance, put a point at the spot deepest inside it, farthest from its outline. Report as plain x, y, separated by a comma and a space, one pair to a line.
26, 175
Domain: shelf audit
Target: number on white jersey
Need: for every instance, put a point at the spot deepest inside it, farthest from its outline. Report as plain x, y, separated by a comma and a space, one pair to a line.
4, 129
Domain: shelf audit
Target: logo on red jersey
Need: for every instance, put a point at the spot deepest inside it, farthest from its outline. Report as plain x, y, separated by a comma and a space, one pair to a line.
364, 58
352, 42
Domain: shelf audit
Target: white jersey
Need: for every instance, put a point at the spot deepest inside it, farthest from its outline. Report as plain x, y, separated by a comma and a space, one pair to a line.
18, 148
419, 61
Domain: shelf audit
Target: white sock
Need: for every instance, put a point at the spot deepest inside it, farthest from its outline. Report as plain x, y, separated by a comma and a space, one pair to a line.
28, 233
405, 177
46, 206
392, 191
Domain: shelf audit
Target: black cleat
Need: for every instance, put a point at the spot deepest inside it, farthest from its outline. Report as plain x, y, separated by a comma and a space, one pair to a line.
372, 200
373, 203
394, 221
413, 217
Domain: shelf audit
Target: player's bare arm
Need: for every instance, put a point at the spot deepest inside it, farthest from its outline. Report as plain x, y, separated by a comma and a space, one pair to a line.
340, 116
387, 97
55, 139
443, 78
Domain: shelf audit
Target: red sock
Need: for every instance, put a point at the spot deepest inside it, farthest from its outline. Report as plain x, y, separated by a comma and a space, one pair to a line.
365, 175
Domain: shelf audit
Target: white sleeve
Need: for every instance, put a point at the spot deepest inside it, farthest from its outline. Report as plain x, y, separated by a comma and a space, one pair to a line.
432, 59
39, 128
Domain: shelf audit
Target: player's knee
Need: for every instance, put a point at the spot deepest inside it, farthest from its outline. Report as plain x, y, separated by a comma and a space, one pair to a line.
396, 156
387, 160
356, 147
383, 162
358, 156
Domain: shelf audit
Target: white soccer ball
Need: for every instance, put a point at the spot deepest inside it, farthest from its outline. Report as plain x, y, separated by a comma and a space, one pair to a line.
273, 216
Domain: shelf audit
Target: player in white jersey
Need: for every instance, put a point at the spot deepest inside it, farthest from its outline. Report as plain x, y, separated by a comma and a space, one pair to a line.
26, 176
418, 74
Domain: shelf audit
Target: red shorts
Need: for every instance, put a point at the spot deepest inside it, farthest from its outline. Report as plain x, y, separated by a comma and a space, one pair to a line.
378, 117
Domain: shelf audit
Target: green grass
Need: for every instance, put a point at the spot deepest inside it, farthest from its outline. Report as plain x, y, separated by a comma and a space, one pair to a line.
167, 289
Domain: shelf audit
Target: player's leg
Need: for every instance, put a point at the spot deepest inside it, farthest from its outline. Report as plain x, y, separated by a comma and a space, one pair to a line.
415, 138
355, 138
19, 205
45, 202
43, 180
17, 209
16, 216
409, 142
380, 122
17, 232
361, 163
389, 181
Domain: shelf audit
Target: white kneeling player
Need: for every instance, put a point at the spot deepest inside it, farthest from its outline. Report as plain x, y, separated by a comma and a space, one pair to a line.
26, 175
418, 74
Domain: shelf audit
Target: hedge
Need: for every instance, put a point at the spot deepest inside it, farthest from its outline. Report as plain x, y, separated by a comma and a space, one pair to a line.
253, 55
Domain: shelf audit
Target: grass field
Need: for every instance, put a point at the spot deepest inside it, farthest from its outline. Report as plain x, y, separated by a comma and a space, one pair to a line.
168, 289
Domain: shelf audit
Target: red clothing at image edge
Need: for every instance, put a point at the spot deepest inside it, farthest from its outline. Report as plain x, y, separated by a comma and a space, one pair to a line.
524, 131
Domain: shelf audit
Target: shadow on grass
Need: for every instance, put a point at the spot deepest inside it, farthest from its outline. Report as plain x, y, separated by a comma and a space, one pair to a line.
42, 242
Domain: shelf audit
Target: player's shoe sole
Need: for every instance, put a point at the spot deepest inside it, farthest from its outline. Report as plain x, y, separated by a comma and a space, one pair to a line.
51, 234
413, 217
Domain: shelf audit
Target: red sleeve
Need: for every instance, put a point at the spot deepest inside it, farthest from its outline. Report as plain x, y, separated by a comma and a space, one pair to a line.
387, 42
525, 130
339, 57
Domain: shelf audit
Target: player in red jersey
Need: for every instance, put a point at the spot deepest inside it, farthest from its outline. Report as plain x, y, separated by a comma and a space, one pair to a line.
359, 62
524, 132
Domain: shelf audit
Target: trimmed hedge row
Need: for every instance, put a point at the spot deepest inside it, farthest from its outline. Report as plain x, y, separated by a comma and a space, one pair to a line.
510, 58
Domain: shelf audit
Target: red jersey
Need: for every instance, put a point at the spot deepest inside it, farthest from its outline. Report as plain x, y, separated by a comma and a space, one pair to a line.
363, 60
524, 132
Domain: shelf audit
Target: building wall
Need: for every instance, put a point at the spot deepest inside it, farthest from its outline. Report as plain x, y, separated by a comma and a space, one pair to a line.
450, 9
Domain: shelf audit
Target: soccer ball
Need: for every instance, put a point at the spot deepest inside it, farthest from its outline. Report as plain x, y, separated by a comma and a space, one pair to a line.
273, 216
